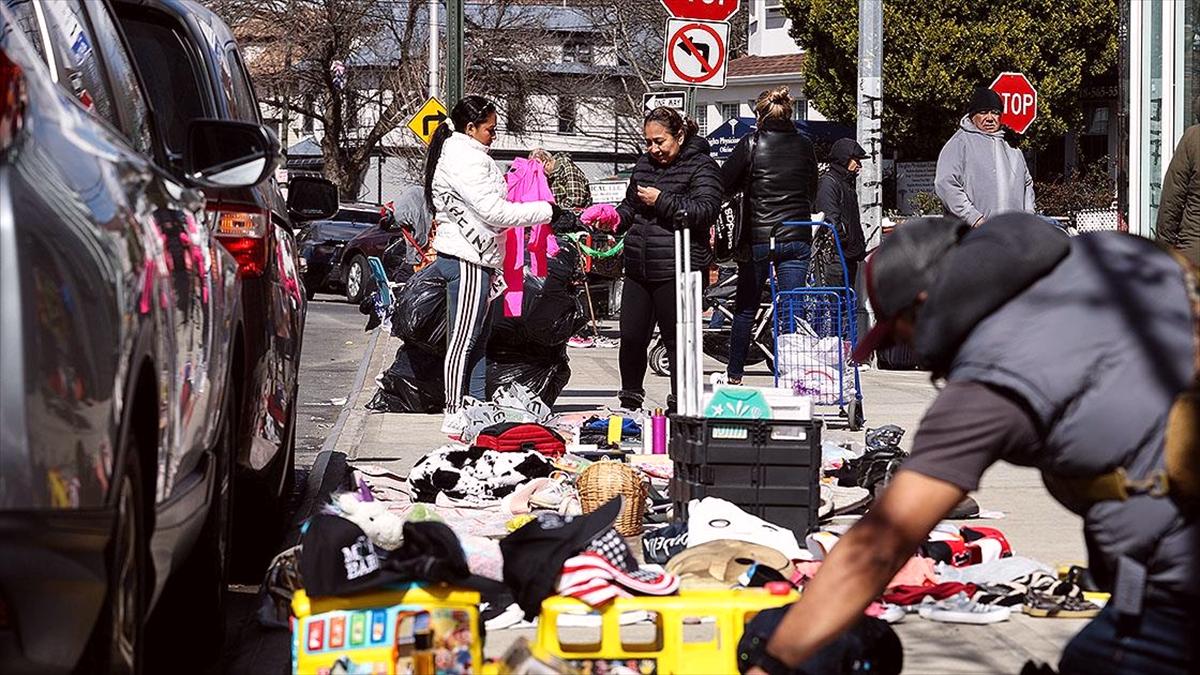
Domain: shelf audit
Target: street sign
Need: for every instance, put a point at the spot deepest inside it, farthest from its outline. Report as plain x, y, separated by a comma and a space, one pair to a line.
702, 10
1020, 101
695, 53
669, 99
427, 119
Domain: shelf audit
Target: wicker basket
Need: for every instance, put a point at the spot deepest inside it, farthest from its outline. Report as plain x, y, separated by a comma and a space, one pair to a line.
604, 480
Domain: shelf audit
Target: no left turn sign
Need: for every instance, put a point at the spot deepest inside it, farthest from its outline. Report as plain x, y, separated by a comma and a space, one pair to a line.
695, 53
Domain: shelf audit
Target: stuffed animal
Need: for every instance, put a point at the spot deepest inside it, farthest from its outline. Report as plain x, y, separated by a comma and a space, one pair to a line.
384, 528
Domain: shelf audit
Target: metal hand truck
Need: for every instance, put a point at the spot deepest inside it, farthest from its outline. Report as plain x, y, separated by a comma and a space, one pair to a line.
689, 360
815, 330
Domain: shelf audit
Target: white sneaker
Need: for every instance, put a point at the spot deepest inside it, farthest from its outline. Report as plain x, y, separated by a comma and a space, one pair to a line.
453, 424
892, 613
962, 609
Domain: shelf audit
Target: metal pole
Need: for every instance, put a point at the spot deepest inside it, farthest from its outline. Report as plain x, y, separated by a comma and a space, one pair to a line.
454, 52
434, 76
870, 115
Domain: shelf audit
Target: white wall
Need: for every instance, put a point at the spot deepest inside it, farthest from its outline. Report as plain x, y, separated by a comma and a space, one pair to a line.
769, 29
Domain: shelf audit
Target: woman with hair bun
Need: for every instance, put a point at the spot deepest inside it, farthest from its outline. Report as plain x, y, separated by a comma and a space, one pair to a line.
465, 189
775, 169
675, 175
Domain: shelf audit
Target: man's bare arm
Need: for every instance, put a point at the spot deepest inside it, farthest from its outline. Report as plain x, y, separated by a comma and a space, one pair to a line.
862, 563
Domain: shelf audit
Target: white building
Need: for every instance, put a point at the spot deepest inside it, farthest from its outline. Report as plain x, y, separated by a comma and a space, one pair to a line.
774, 59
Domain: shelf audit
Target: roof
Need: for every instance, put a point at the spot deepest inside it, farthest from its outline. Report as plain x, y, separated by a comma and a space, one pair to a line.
752, 66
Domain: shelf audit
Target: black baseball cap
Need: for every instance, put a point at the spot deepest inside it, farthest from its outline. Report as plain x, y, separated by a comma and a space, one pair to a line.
906, 263
337, 558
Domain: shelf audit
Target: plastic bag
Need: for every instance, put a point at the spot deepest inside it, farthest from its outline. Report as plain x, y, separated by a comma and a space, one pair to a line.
420, 312
413, 383
545, 377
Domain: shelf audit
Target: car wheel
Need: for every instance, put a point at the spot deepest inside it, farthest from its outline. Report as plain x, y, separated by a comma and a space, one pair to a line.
195, 594
117, 643
357, 276
262, 510
658, 359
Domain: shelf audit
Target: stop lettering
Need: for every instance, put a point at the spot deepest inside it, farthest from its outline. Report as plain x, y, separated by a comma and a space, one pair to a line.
1020, 101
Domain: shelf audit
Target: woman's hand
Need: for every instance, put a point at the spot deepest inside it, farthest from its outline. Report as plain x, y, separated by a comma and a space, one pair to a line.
648, 195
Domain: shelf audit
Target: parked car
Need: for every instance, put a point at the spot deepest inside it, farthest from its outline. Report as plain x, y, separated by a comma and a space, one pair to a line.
194, 70
122, 342
394, 236
322, 241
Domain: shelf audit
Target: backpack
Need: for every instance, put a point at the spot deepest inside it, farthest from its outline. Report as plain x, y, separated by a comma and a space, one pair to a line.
517, 436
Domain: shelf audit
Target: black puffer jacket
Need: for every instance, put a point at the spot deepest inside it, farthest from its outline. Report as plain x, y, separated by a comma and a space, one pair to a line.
837, 198
691, 183
780, 186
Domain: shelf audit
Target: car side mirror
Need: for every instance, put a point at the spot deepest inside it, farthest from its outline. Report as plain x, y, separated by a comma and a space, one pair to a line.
225, 154
311, 198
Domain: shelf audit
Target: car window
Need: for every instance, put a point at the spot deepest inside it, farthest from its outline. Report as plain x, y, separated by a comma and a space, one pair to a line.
25, 17
171, 73
131, 101
243, 105
79, 69
356, 217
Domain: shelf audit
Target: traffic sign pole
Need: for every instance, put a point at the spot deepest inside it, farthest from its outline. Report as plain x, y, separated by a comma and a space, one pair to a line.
454, 51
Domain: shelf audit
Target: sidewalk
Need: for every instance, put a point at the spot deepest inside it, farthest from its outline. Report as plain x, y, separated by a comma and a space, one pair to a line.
1036, 526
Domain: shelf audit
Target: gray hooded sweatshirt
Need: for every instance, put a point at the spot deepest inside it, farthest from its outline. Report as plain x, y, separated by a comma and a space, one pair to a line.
980, 174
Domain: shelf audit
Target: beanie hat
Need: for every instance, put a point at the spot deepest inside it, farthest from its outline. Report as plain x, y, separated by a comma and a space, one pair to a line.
984, 99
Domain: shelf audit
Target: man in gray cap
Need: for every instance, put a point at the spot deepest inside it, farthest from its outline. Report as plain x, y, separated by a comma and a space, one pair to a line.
1076, 356
979, 173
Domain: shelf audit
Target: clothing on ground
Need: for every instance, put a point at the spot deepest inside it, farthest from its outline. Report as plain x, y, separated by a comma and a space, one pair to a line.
980, 175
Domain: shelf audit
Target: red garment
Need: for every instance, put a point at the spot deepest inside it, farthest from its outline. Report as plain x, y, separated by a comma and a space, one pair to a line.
526, 183
911, 595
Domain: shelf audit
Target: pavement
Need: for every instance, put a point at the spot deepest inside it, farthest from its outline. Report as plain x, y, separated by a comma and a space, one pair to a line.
1036, 526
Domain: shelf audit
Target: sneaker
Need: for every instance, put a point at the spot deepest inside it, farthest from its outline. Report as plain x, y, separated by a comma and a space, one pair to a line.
630, 401
580, 342
962, 609
892, 613
453, 424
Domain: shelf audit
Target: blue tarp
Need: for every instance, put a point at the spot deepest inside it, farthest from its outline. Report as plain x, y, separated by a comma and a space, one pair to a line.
724, 138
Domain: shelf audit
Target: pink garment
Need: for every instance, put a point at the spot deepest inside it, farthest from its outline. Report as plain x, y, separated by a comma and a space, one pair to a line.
604, 216
916, 572
526, 183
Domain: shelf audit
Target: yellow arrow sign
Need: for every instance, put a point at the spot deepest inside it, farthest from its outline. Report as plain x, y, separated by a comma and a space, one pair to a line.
427, 119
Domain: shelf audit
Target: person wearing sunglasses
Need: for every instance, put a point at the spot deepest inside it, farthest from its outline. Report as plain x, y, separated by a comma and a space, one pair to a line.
979, 171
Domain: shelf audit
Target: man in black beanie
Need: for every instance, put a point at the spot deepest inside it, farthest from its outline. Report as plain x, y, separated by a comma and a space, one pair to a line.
979, 174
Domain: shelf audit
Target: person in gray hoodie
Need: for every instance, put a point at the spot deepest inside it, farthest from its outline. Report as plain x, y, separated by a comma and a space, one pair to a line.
979, 174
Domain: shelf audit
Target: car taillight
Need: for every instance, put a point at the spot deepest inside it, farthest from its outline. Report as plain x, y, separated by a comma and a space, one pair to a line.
244, 234
12, 100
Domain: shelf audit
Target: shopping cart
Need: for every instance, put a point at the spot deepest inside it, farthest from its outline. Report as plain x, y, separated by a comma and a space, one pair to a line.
815, 330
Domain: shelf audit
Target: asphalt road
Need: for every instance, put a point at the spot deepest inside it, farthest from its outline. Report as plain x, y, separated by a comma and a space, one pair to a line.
333, 347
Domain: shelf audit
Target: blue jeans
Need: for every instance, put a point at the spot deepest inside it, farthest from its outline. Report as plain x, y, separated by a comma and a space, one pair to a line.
791, 266
1162, 640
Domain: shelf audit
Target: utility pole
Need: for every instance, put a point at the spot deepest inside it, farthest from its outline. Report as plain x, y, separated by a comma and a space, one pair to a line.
870, 116
454, 52
434, 75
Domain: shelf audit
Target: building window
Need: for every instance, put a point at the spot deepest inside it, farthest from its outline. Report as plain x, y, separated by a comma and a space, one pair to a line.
702, 122
775, 18
518, 114
799, 110
568, 115
577, 52
729, 111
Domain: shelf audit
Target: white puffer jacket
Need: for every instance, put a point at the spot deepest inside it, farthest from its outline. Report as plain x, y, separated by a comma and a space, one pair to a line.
471, 200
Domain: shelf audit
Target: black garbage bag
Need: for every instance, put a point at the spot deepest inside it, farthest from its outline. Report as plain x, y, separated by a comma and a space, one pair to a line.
413, 383
551, 309
546, 374
420, 312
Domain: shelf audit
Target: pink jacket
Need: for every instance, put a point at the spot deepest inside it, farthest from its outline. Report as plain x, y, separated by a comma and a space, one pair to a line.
526, 183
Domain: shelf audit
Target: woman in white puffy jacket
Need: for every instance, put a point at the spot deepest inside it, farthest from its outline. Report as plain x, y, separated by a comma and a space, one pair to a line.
466, 191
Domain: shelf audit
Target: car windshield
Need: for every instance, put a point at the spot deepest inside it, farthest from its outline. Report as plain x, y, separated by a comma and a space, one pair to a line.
170, 76
348, 216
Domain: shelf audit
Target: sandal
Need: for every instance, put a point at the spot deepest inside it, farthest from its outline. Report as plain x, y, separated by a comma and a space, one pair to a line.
1041, 605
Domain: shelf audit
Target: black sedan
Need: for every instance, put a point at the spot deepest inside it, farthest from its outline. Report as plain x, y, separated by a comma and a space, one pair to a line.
322, 243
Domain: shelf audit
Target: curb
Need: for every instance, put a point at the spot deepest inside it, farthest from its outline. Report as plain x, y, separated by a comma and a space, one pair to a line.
330, 471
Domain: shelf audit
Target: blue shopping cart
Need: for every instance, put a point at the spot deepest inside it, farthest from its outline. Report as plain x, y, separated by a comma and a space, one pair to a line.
815, 331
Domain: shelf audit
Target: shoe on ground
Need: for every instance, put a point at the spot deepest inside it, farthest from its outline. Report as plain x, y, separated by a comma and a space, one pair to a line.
892, 613
1045, 606
962, 609
580, 342
630, 401
453, 424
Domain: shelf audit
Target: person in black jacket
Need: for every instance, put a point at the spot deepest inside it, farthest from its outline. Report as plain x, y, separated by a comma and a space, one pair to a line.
675, 175
776, 170
837, 198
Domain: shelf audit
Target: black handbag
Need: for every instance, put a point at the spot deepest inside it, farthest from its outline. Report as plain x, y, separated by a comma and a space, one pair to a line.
729, 231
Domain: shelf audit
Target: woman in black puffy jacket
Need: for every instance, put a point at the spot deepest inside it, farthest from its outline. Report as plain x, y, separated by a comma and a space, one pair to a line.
675, 175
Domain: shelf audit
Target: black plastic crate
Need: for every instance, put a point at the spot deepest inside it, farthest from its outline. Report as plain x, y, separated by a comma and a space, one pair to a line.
769, 468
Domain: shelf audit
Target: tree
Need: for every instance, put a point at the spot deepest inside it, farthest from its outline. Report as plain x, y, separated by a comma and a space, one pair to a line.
935, 53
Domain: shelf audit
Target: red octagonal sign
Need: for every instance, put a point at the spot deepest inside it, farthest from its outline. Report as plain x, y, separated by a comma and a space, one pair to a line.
1020, 101
702, 10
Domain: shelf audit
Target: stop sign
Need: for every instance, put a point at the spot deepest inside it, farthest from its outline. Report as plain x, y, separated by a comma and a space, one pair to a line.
702, 10
1020, 101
